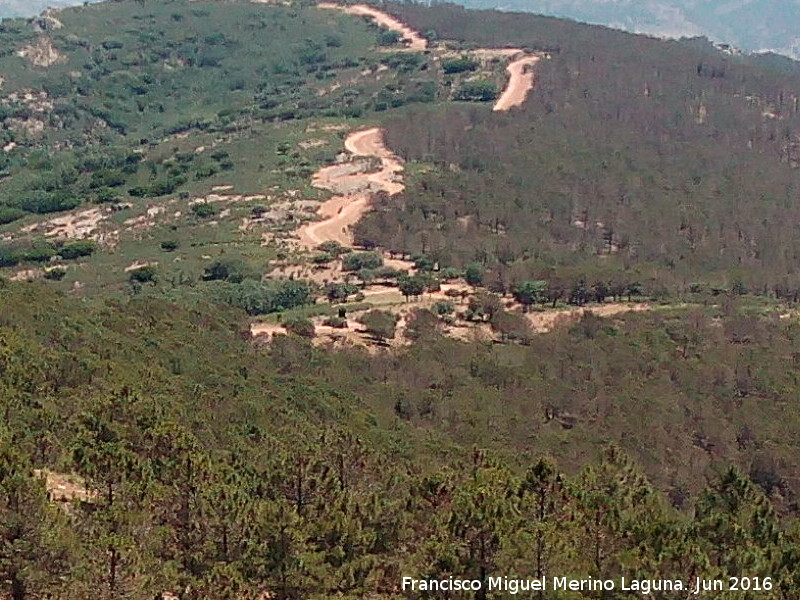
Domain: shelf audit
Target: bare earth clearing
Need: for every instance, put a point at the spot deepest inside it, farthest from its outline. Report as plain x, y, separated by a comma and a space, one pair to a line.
65, 488
542, 322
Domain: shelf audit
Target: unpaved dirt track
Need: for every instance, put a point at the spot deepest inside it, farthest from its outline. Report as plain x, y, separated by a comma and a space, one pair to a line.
520, 83
341, 212
414, 40
520, 71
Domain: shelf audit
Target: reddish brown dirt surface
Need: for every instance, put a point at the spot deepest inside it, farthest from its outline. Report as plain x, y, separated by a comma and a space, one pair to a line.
520, 83
356, 185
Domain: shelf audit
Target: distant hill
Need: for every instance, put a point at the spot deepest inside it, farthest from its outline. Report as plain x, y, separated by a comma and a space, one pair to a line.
29, 8
754, 25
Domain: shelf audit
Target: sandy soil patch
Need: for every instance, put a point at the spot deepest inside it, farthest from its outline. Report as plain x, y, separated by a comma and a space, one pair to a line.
47, 22
267, 330
36, 101
312, 143
520, 83
214, 198
65, 488
413, 39
486, 54
32, 126
542, 322
77, 225
27, 275
138, 265
41, 54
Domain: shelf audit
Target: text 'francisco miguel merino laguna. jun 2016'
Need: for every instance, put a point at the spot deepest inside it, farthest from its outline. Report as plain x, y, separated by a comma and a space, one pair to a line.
697, 586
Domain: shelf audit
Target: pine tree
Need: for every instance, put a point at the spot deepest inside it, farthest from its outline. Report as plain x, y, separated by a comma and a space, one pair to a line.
35, 549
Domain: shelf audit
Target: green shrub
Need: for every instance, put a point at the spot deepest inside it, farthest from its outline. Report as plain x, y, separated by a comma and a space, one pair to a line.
379, 324
459, 65
450, 273
42, 202
336, 322
332, 248
388, 37
204, 210
9, 214
145, 274
357, 261
106, 195
476, 91
55, 274
261, 298
474, 274
205, 172
78, 249
322, 259
300, 326
230, 269
39, 254
443, 307
9, 257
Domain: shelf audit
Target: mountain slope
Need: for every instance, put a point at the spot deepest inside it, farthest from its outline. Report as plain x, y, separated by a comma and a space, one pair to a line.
756, 25
158, 163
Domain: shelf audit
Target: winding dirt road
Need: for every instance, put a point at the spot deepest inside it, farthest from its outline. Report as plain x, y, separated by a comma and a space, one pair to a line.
355, 185
414, 41
520, 71
352, 182
520, 83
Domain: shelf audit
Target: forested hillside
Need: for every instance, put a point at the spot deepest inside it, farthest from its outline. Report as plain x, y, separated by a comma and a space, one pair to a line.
297, 472
668, 162
297, 300
753, 25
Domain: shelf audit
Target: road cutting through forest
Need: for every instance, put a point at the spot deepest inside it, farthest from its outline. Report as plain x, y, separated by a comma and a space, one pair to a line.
355, 189
520, 83
520, 71
373, 168
354, 185
413, 39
